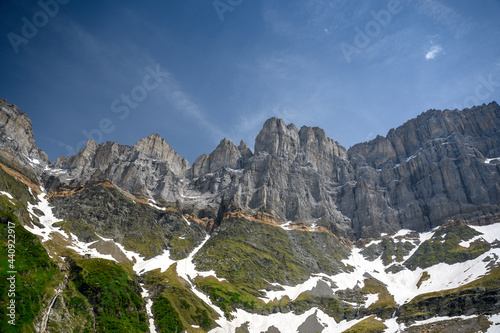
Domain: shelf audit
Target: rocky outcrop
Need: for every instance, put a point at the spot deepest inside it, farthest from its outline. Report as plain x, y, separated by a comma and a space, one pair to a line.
431, 169
227, 154
294, 175
17, 143
150, 168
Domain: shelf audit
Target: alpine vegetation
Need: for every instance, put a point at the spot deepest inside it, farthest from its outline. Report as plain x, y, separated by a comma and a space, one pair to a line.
397, 234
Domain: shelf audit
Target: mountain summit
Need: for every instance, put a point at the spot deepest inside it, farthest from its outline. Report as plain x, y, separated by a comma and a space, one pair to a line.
425, 172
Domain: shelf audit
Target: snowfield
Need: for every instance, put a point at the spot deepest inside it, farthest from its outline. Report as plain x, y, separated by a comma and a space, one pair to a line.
402, 285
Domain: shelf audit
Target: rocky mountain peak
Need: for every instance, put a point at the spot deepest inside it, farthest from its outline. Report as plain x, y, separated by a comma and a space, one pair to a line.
154, 146
226, 154
246, 153
16, 137
440, 165
278, 139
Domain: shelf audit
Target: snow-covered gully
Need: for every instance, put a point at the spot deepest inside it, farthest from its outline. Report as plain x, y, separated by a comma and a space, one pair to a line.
402, 284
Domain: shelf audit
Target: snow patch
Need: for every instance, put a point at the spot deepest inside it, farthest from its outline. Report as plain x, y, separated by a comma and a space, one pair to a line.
467, 244
393, 326
154, 204
489, 160
414, 155
495, 320
490, 233
402, 285
291, 291
149, 304
285, 322
8, 195
402, 233
372, 298
47, 220
437, 319
186, 268
373, 242
163, 262
286, 225
83, 248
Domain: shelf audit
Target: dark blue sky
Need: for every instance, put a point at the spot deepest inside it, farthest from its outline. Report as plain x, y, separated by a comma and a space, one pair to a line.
196, 71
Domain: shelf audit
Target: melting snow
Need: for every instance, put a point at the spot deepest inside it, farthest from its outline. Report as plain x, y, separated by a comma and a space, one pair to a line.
489, 160
7, 194
285, 225
48, 219
291, 291
154, 204
186, 268
393, 326
149, 304
372, 298
285, 322
402, 285
437, 319
490, 233
495, 319
186, 220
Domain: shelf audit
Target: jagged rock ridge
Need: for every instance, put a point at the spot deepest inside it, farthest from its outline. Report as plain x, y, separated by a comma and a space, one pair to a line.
430, 169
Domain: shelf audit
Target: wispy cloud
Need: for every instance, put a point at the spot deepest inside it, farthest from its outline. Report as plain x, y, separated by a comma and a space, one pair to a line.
433, 52
444, 15
172, 92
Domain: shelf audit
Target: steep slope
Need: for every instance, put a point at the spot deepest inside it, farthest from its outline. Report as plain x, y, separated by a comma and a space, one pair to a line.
432, 168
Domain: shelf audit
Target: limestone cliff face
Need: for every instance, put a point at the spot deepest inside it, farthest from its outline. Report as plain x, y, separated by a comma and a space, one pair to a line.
431, 169
149, 168
16, 138
294, 175
438, 166
227, 154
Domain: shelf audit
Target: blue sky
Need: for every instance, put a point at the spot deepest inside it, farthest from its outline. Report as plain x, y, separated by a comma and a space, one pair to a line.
196, 71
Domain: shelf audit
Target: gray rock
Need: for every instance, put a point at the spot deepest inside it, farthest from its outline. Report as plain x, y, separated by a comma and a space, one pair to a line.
312, 324
431, 169
16, 140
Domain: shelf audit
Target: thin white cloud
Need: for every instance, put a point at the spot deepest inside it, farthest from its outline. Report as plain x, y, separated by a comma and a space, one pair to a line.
174, 94
433, 52
444, 15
